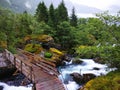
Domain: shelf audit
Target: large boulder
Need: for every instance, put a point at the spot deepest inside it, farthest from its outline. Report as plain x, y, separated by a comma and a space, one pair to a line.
88, 76
80, 79
77, 77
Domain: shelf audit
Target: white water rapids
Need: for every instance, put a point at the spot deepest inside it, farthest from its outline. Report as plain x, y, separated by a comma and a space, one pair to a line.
87, 66
4, 86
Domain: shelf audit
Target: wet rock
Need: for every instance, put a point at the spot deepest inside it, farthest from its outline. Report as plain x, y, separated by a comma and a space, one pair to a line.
80, 79
95, 68
77, 77
88, 76
1, 87
98, 60
6, 71
76, 61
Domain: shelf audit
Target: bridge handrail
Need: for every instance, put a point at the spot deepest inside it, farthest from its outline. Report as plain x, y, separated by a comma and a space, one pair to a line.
15, 60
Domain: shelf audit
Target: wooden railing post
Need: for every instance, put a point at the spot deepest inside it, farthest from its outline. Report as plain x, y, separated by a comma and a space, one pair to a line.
21, 66
30, 73
34, 86
15, 61
9, 56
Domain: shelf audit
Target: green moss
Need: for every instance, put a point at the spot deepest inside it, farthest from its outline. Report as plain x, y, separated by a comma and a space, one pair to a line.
33, 48
108, 82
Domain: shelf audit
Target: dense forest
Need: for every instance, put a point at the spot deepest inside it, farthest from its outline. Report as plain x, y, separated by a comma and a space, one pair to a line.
87, 37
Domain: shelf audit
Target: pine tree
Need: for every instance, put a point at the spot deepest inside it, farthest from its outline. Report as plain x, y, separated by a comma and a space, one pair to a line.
42, 13
73, 19
61, 11
51, 21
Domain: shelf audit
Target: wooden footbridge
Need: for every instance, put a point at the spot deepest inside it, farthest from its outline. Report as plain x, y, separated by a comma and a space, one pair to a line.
42, 73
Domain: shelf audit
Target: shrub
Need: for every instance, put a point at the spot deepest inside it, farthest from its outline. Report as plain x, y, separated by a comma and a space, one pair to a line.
108, 54
48, 54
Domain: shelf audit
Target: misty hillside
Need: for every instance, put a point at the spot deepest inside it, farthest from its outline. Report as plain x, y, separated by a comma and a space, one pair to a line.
30, 6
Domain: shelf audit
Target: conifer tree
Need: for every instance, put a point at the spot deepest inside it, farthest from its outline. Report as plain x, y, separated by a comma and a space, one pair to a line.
42, 13
51, 20
73, 18
62, 14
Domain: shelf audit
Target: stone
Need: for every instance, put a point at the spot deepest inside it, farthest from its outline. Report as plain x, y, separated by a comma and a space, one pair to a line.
95, 68
76, 61
1, 87
77, 77
88, 76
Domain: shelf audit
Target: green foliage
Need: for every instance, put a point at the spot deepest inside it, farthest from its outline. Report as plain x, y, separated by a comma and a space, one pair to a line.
109, 82
93, 51
66, 35
52, 18
42, 13
112, 57
108, 54
12, 49
48, 54
73, 19
61, 12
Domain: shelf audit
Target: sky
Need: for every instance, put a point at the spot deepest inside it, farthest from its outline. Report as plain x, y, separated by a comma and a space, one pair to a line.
88, 8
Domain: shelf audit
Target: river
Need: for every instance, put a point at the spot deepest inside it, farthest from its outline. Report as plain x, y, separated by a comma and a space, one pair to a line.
87, 66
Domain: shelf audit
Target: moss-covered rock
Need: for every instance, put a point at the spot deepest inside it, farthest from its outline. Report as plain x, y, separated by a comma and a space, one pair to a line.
108, 82
54, 50
33, 48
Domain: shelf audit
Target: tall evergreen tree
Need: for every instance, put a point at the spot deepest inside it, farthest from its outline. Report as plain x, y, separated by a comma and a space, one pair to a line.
62, 14
42, 13
73, 18
51, 20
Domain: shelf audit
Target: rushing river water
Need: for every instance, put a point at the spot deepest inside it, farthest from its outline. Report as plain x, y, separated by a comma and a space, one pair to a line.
4, 86
87, 66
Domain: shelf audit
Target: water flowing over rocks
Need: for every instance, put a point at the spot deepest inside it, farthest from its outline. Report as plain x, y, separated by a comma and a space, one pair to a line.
75, 75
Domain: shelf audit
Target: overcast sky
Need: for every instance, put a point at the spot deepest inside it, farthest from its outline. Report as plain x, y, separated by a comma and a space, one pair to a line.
86, 8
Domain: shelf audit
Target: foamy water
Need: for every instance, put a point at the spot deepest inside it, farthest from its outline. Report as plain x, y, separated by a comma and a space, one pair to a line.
7, 87
87, 66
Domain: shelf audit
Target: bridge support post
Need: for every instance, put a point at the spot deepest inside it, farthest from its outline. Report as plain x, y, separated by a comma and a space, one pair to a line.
34, 86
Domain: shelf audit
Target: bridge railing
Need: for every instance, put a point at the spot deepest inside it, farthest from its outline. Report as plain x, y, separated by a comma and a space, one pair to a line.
23, 66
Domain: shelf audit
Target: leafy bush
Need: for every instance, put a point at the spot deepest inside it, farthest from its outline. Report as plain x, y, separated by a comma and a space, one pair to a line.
112, 57
108, 54
48, 54
88, 51
12, 49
